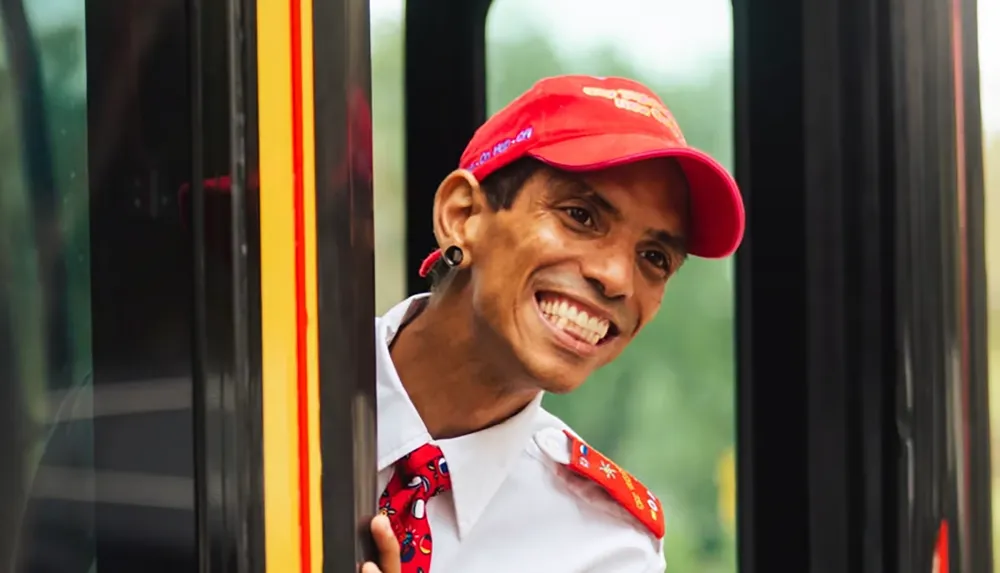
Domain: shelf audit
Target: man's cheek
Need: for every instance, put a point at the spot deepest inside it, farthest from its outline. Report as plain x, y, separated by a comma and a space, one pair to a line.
543, 239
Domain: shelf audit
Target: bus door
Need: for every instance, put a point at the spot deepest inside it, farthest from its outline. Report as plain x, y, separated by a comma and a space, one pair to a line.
185, 252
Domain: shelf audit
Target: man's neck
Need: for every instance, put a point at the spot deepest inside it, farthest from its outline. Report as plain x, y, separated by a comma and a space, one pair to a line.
449, 376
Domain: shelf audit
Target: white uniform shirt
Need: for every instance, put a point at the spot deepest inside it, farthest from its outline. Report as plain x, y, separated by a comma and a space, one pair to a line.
514, 507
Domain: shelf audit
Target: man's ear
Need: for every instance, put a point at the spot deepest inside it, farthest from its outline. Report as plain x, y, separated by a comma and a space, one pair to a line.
458, 205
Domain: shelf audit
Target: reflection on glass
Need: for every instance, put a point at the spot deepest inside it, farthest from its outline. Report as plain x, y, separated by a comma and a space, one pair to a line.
989, 78
95, 392
665, 409
45, 358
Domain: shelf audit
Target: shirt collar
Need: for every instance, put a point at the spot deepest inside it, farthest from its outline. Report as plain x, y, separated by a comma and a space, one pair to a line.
478, 462
400, 429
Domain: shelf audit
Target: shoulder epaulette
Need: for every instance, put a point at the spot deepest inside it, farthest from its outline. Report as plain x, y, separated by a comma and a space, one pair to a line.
620, 485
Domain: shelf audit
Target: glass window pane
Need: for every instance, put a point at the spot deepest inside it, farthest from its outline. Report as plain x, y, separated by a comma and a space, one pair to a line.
665, 409
95, 288
46, 360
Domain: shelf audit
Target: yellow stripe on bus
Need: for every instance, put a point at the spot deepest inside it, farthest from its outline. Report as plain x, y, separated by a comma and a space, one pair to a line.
277, 278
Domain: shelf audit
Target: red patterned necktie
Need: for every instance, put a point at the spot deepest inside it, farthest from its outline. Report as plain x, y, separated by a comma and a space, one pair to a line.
419, 476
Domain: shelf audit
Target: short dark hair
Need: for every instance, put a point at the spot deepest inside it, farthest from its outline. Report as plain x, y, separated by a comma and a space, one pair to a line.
501, 189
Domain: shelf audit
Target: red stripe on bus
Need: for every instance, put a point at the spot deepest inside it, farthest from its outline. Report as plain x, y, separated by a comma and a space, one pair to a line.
301, 315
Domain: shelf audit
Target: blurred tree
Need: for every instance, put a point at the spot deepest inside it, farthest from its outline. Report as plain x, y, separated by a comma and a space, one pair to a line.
388, 142
991, 152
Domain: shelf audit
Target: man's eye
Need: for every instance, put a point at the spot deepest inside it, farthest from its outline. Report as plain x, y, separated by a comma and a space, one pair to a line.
657, 259
581, 215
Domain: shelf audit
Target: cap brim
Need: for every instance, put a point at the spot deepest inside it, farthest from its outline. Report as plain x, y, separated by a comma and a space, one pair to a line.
717, 215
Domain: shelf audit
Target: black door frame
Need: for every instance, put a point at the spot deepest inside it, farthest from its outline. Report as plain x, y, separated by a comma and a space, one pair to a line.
979, 522
851, 400
226, 339
345, 270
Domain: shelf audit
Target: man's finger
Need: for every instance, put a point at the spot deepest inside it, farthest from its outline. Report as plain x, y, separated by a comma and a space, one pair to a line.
387, 544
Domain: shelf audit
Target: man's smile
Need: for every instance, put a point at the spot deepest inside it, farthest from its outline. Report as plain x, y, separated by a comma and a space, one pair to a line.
579, 326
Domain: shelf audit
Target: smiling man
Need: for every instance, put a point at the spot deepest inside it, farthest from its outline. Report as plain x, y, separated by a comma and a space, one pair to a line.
570, 212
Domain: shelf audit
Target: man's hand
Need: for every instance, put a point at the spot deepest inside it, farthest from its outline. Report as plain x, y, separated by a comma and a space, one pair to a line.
388, 548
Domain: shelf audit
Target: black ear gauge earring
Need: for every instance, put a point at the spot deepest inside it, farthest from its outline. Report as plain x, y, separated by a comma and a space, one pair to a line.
453, 256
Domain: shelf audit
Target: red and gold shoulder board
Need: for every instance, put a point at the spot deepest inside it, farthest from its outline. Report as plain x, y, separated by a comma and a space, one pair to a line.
620, 484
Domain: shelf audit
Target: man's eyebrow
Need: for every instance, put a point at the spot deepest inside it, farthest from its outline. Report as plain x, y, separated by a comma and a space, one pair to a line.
670, 240
595, 197
579, 187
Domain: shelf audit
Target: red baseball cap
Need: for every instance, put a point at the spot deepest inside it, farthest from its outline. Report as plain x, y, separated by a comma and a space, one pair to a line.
585, 123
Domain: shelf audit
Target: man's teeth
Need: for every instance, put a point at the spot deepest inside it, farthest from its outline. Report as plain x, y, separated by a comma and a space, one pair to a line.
568, 317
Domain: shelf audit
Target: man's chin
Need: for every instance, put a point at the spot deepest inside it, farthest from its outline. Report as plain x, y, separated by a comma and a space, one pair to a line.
558, 378
550, 367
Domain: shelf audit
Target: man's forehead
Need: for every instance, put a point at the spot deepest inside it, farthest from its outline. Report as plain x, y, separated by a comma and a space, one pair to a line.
653, 182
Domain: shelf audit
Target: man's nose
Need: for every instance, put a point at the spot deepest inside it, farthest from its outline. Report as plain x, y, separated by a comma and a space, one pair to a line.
611, 273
